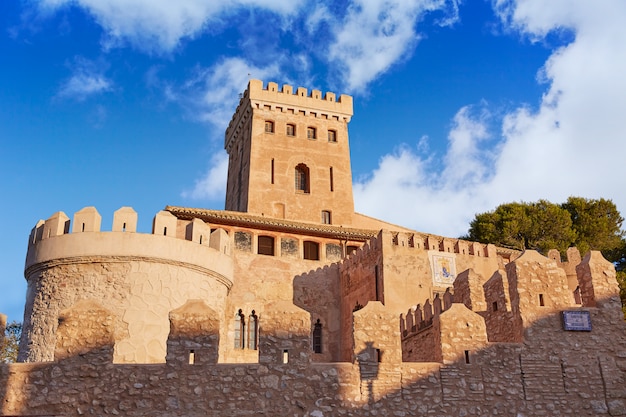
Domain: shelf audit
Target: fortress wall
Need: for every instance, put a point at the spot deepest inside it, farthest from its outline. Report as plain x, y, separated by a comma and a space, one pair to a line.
581, 374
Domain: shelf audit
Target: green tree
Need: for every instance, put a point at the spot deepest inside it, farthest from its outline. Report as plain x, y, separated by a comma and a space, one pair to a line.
11, 342
584, 223
541, 226
597, 224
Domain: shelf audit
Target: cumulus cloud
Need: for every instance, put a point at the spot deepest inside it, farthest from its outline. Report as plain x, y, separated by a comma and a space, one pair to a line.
87, 80
212, 93
375, 34
573, 144
159, 25
212, 185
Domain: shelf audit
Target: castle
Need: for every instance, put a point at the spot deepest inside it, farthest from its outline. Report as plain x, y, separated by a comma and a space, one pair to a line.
290, 303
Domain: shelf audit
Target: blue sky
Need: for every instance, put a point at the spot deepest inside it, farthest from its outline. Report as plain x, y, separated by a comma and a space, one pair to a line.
459, 105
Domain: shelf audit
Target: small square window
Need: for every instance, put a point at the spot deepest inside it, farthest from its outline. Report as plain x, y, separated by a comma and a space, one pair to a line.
311, 133
332, 136
291, 130
269, 126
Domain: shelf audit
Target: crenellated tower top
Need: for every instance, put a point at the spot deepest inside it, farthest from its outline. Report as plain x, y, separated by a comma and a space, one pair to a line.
289, 155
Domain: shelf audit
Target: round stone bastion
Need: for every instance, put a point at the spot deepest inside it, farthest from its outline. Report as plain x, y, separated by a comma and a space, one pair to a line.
139, 277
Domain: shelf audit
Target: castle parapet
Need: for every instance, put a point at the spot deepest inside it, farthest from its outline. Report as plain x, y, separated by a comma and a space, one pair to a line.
313, 104
420, 241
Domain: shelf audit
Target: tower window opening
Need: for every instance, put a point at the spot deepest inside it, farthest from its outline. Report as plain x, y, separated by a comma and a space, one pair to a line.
317, 337
291, 130
332, 136
311, 133
326, 217
467, 356
192, 357
302, 179
272, 173
541, 300
332, 185
269, 126
311, 250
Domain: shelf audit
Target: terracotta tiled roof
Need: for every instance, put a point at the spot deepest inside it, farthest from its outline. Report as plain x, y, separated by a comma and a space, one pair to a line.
235, 218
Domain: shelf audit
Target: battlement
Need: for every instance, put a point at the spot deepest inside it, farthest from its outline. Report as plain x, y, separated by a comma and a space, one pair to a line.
285, 100
88, 220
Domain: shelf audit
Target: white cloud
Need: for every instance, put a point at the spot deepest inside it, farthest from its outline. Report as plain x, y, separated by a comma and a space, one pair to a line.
375, 34
87, 80
214, 92
573, 144
212, 186
159, 25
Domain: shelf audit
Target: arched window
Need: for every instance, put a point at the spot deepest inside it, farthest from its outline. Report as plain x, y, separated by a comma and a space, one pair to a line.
265, 245
240, 330
253, 331
302, 178
269, 126
311, 250
317, 337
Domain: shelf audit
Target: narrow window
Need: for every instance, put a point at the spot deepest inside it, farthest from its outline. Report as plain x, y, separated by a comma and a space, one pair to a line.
285, 356
291, 130
83, 227
124, 227
377, 286
495, 306
165, 231
272, 175
311, 133
467, 356
240, 330
332, 136
326, 217
317, 337
265, 245
379, 355
302, 178
201, 239
269, 126
541, 302
332, 185
253, 331
311, 250
192, 357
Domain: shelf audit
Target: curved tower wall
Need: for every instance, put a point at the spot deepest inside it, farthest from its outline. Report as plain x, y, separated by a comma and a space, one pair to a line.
139, 277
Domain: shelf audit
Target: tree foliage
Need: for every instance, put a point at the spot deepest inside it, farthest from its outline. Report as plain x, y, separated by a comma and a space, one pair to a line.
11, 342
542, 225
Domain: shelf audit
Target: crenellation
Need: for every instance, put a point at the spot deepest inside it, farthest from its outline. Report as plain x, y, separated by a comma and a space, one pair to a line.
58, 224
87, 220
125, 220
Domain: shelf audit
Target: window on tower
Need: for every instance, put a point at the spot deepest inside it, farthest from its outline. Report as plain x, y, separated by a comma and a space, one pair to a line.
291, 130
332, 136
311, 133
326, 217
269, 126
302, 179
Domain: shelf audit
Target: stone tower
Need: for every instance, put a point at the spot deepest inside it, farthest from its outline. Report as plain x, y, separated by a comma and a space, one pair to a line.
289, 155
